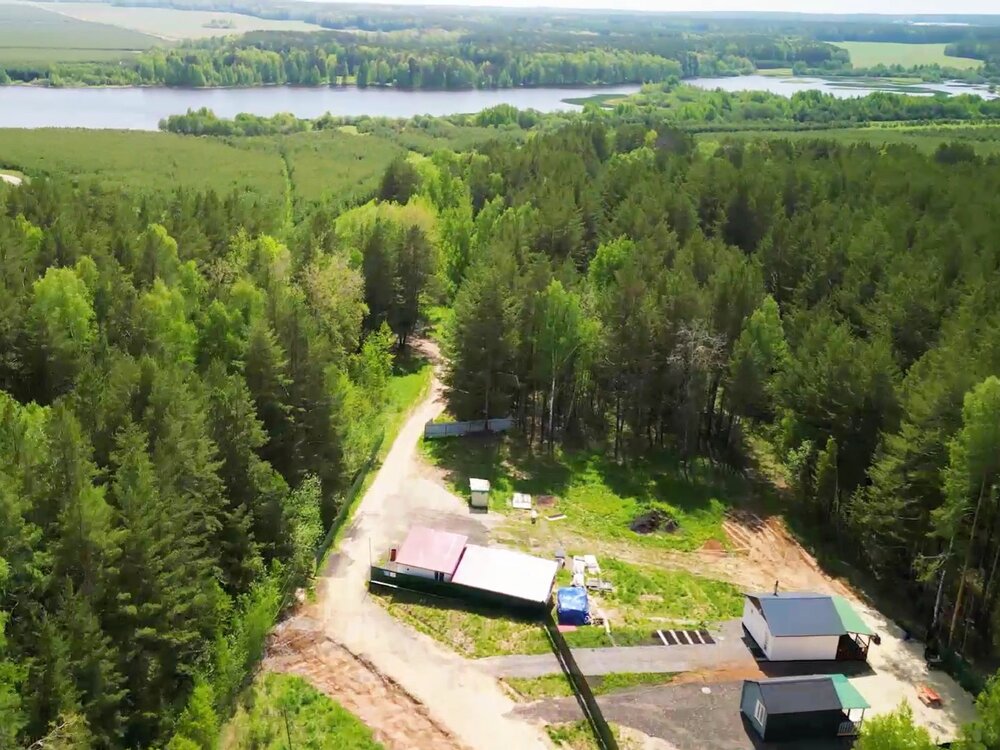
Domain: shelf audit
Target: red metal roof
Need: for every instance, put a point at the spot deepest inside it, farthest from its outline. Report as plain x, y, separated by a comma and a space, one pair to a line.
430, 549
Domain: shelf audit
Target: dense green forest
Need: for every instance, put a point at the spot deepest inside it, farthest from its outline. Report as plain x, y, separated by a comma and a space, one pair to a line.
836, 300
459, 48
183, 399
189, 381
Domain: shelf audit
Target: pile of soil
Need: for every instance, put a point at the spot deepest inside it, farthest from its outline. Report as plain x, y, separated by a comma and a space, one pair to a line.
545, 501
654, 520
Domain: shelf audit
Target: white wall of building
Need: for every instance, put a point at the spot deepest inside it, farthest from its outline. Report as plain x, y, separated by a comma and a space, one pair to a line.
756, 625
787, 648
480, 499
804, 648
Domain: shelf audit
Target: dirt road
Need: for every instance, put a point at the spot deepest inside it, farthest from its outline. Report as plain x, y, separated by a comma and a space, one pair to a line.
464, 703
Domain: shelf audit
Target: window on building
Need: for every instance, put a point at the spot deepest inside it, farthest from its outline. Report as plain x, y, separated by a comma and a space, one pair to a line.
760, 713
439, 576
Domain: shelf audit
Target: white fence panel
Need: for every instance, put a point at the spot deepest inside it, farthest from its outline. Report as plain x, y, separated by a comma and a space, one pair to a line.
457, 429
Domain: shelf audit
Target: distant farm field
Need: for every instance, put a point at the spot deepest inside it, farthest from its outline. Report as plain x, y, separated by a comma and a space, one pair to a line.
869, 54
29, 34
332, 165
174, 24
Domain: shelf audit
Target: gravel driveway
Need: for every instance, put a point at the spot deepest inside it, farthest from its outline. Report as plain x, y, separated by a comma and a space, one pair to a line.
458, 695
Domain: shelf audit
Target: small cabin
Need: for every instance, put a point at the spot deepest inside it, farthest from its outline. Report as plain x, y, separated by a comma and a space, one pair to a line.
803, 708
801, 626
429, 553
480, 491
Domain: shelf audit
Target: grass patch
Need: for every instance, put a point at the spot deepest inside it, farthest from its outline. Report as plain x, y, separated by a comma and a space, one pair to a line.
870, 54
776, 72
605, 101
31, 35
646, 596
645, 599
599, 497
538, 688
610, 683
279, 706
577, 735
438, 318
558, 686
470, 632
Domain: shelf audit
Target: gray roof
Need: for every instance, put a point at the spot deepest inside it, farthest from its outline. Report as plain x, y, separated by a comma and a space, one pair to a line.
800, 614
796, 695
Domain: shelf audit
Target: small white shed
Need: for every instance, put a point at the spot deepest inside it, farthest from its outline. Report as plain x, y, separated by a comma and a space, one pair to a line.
480, 489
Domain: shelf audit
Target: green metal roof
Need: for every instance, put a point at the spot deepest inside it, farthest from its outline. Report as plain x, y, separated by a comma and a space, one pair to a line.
848, 694
851, 620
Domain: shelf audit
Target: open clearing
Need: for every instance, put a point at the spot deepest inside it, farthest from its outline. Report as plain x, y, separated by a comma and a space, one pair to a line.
870, 54
171, 23
32, 35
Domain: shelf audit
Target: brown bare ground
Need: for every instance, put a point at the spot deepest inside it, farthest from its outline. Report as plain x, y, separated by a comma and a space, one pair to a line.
398, 720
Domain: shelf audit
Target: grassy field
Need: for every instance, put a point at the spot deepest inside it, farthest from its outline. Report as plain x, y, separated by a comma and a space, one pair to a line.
282, 709
141, 161
557, 686
984, 139
170, 23
645, 599
599, 497
322, 165
333, 165
30, 35
869, 54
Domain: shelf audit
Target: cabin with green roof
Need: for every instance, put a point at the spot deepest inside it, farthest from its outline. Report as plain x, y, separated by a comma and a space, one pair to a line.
803, 708
802, 626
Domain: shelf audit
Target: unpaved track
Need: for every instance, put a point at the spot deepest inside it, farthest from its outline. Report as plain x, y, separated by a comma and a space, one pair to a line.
464, 703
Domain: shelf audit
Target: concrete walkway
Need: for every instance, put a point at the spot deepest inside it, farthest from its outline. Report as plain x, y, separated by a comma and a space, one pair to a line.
728, 652
457, 693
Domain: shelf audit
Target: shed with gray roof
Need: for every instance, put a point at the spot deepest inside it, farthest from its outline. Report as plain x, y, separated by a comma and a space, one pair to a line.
803, 626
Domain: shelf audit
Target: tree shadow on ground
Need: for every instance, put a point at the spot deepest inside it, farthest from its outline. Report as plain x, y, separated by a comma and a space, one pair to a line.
509, 465
408, 362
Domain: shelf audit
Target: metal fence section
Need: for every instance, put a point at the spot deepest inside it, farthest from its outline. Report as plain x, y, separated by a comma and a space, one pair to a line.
457, 429
581, 688
348, 498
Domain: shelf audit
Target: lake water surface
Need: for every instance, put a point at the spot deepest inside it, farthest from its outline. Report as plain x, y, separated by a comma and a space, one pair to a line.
143, 108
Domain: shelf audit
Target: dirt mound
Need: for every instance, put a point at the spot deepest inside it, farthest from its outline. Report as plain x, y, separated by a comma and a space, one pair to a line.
545, 501
654, 520
713, 545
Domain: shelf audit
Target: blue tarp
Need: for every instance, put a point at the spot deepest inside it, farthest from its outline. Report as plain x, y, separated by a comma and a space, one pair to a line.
572, 607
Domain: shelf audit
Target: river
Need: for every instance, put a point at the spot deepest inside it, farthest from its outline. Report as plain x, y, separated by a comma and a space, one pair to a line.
143, 108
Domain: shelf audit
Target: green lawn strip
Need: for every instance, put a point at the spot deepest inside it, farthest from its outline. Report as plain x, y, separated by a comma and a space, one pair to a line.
558, 686
599, 497
577, 735
645, 599
280, 708
472, 633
